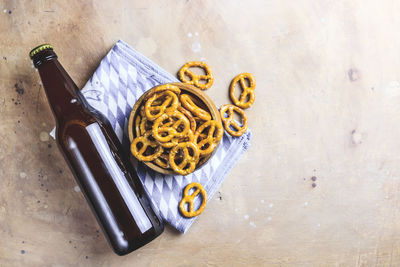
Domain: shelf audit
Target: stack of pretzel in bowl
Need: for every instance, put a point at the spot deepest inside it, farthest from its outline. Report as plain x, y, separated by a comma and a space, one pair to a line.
174, 128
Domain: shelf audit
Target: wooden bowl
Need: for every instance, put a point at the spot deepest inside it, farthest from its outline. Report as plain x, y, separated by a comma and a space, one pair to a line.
204, 101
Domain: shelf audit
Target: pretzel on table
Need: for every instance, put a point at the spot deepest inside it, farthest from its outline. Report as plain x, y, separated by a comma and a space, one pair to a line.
247, 91
231, 126
195, 78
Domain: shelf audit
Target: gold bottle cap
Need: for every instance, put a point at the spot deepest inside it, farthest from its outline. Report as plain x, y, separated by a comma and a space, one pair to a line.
39, 48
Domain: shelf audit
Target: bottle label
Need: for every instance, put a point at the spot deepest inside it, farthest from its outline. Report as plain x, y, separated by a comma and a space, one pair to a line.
118, 177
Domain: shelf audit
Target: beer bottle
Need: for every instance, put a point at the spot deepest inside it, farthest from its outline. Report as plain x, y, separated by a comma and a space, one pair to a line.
101, 166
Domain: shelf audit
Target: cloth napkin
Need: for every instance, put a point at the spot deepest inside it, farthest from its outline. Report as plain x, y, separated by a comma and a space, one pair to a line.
122, 77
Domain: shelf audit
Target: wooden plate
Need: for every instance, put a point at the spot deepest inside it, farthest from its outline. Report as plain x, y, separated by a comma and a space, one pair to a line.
205, 103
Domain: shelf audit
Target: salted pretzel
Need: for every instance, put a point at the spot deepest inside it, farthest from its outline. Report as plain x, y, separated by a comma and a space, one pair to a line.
190, 200
232, 126
195, 78
162, 161
179, 127
247, 91
188, 103
164, 87
146, 143
190, 158
145, 125
169, 144
190, 117
196, 101
170, 102
137, 125
189, 137
212, 137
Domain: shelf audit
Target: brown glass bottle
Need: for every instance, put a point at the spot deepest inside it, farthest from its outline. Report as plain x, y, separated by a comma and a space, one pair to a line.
96, 158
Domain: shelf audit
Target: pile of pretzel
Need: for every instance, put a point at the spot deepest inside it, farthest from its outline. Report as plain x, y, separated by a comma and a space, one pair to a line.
173, 131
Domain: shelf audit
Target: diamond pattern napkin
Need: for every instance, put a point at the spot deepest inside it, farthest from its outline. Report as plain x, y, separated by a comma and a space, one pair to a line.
122, 77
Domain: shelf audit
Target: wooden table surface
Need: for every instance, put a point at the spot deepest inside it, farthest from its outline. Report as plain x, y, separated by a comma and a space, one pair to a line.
320, 184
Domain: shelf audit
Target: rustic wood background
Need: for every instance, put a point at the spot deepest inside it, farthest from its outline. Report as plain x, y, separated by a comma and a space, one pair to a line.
320, 184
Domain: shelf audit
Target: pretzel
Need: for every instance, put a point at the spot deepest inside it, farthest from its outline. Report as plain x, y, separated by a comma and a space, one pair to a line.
190, 199
176, 140
188, 163
246, 90
139, 153
188, 103
170, 103
195, 78
202, 136
189, 137
164, 87
196, 101
199, 121
190, 117
144, 126
169, 144
210, 141
166, 133
137, 125
231, 126
162, 161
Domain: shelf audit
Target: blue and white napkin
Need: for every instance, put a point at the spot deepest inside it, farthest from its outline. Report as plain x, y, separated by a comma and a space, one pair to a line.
122, 77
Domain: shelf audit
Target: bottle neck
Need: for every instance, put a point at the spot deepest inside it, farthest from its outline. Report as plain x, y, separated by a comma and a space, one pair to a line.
43, 56
61, 91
